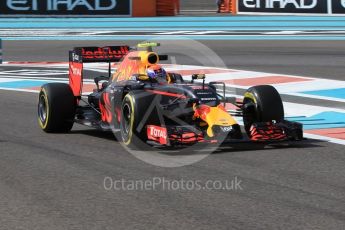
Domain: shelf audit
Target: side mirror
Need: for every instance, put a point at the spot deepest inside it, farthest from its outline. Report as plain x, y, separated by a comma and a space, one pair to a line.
198, 76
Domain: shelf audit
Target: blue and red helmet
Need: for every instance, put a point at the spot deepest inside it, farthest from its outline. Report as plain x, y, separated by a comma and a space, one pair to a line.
156, 72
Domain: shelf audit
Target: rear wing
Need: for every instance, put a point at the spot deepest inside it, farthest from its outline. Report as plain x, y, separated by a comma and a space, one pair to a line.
80, 55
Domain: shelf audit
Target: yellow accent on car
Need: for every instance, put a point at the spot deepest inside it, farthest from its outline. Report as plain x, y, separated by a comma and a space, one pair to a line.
217, 116
148, 44
143, 77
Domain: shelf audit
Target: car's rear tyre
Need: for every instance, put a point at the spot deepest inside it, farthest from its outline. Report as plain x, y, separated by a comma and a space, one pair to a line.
262, 104
56, 108
134, 118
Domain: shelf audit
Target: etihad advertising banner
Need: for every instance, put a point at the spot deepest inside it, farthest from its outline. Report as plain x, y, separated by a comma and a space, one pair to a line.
338, 6
283, 6
65, 7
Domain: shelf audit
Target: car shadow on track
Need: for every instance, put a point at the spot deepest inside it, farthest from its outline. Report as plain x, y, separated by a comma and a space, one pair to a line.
108, 135
307, 143
224, 148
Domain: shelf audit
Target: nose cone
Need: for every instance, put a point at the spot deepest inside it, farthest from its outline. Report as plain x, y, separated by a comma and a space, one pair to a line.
214, 116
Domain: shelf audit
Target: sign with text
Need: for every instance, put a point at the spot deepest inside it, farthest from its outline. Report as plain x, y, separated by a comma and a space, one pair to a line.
338, 6
66, 7
283, 6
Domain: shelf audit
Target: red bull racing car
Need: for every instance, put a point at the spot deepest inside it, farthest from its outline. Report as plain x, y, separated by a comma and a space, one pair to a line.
143, 103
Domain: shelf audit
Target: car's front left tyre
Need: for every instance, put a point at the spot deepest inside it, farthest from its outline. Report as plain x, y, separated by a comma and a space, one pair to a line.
135, 116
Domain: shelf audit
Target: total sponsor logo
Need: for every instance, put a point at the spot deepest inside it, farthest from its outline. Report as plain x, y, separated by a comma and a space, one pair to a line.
157, 133
54, 5
298, 4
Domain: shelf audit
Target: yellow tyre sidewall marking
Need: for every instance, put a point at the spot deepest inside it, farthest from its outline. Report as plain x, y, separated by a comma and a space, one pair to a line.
130, 135
250, 96
43, 126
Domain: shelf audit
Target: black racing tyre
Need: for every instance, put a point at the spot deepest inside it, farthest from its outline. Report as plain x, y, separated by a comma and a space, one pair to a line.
262, 104
56, 108
135, 115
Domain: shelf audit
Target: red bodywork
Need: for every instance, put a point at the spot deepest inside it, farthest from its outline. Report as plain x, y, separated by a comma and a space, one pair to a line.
266, 132
105, 108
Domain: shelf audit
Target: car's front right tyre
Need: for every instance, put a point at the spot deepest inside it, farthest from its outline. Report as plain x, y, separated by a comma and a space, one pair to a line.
262, 103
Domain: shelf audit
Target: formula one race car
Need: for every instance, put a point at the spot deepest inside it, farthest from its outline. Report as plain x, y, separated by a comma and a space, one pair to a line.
142, 103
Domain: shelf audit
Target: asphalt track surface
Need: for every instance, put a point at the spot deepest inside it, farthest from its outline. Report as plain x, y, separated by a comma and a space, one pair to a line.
55, 181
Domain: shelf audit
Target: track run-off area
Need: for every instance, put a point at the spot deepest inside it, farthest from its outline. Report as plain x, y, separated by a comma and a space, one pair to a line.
56, 181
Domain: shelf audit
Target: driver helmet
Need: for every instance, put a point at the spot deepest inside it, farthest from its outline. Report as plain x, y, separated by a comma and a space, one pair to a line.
156, 72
